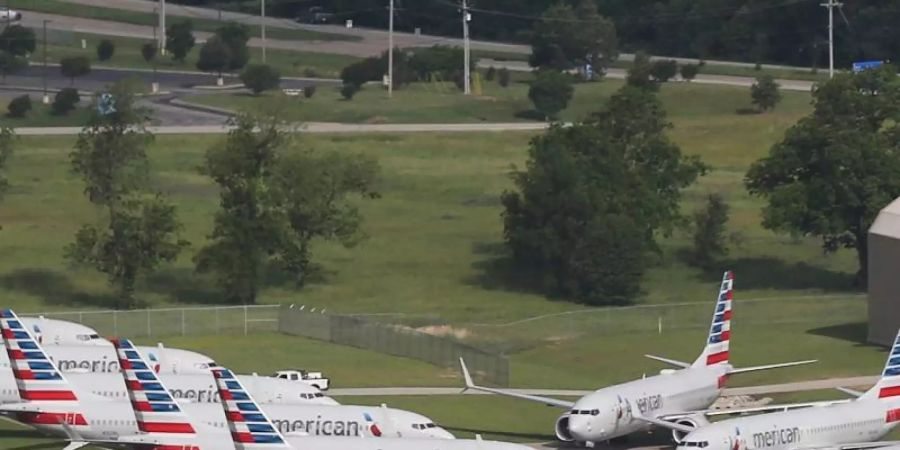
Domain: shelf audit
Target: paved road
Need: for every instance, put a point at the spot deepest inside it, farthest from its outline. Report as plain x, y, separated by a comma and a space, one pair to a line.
753, 390
314, 128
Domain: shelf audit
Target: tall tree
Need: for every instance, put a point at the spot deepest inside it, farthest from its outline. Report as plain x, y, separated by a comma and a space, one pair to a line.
180, 39
765, 93
709, 232
567, 37
593, 196
139, 230
274, 199
17, 40
235, 36
835, 169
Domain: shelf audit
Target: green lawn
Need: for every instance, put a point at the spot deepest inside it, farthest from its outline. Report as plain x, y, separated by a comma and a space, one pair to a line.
435, 235
442, 102
128, 55
148, 19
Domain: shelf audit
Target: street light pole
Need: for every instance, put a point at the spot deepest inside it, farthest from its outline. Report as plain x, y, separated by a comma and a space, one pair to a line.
391, 50
162, 27
831, 5
465, 18
263, 14
46, 99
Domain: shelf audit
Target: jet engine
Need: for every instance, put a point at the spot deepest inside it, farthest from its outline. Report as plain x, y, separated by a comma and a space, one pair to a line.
562, 429
693, 422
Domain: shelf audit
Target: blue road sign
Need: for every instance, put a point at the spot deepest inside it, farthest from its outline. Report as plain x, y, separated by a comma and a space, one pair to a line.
866, 65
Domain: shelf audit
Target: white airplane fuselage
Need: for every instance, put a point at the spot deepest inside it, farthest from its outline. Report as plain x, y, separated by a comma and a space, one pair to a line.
609, 413
814, 427
102, 420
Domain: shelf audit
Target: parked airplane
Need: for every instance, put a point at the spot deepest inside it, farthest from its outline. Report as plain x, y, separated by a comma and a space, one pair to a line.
52, 404
244, 425
855, 424
61, 332
676, 396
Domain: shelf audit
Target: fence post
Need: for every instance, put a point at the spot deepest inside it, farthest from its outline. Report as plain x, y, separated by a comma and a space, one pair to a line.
115, 322
217, 320
659, 325
80, 317
149, 331
183, 331
245, 320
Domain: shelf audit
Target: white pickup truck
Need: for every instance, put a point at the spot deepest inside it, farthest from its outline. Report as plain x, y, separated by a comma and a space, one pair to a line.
7, 14
314, 379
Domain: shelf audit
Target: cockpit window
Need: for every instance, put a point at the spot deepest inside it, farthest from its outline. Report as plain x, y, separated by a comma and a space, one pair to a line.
595, 412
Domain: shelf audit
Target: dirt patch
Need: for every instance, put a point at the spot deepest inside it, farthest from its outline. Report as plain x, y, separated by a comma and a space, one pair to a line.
377, 120
445, 330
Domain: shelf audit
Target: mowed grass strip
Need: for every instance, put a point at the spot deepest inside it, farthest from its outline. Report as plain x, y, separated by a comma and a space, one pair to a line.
128, 55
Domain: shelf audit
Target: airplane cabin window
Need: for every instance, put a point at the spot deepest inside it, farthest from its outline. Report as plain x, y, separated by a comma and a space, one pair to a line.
595, 412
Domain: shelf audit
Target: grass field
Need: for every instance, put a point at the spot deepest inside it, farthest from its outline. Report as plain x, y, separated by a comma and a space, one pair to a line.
128, 55
148, 19
41, 116
442, 102
440, 199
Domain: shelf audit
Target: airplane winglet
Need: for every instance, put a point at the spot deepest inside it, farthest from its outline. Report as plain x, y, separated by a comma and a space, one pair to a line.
468, 377
850, 392
671, 362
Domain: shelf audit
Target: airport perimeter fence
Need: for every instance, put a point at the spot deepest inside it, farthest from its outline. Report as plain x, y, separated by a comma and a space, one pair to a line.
395, 339
141, 323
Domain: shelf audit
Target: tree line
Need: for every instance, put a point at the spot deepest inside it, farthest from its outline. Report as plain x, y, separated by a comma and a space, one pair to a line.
778, 31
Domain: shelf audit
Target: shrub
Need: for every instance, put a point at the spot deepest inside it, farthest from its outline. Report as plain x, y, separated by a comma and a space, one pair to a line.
550, 92
19, 106
689, 71
664, 70
105, 50
214, 56
65, 101
765, 93
148, 51
260, 77
361, 72
74, 66
490, 74
348, 90
310, 72
503, 77
17, 40
309, 91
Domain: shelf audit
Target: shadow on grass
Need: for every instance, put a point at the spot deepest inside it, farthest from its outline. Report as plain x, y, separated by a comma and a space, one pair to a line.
55, 288
184, 285
775, 273
530, 114
497, 271
857, 333
505, 434
747, 112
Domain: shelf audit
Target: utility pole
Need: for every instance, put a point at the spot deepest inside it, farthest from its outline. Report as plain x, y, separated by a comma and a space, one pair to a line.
391, 50
46, 98
263, 14
831, 5
161, 35
467, 89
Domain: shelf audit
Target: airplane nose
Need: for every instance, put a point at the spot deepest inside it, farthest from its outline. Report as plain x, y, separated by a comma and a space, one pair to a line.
440, 433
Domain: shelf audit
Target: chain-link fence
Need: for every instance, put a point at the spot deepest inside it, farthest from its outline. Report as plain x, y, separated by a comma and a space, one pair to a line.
395, 340
175, 321
818, 311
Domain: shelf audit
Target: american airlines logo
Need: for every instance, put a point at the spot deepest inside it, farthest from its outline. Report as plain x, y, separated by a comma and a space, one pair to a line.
649, 403
94, 366
776, 437
320, 427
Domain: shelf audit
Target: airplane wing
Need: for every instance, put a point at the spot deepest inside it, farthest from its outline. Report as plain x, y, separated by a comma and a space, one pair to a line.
660, 422
750, 410
771, 366
534, 398
671, 362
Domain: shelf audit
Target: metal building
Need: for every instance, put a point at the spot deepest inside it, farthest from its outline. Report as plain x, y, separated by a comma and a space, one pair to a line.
884, 275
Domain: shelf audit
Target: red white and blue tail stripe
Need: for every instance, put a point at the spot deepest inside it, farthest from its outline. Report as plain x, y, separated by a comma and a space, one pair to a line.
250, 427
716, 351
154, 408
37, 377
888, 387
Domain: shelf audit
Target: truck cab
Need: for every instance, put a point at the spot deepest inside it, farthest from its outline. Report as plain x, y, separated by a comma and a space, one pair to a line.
314, 379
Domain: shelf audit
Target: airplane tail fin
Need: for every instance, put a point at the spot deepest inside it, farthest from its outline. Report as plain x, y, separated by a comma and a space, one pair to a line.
250, 428
888, 387
37, 376
154, 408
716, 350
